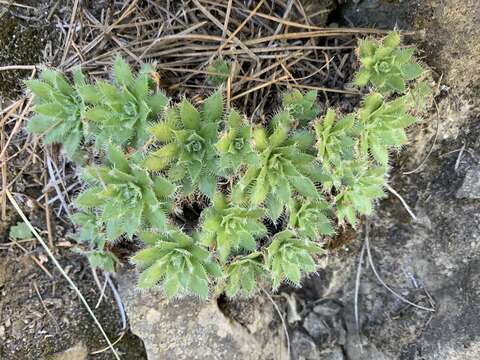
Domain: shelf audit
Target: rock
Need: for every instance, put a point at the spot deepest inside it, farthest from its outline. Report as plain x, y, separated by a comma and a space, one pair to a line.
4, 272
334, 354
78, 352
189, 328
316, 327
328, 308
356, 350
303, 347
470, 188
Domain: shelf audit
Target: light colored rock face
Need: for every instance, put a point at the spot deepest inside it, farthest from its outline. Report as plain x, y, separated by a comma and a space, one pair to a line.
193, 329
471, 185
78, 352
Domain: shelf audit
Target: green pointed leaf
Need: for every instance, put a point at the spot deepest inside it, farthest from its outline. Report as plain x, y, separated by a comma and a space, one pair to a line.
392, 40
171, 286
403, 56
395, 82
98, 114
39, 88
189, 115
198, 286
147, 257
50, 109
116, 157
38, 124
379, 152
151, 276
411, 71
20, 231
213, 107
121, 70
89, 93
89, 198
304, 186
362, 77
157, 102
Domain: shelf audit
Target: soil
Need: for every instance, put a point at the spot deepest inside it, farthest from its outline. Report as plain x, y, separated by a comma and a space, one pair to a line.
432, 261
21, 43
36, 325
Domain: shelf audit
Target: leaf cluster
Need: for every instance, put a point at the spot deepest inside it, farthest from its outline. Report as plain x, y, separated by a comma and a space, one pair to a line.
385, 65
118, 112
272, 192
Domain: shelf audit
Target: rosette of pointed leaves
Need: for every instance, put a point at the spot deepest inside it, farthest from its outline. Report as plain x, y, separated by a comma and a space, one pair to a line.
92, 233
178, 262
303, 107
289, 257
188, 151
244, 273
284, 167
91, 229
59, 109
385, 65
125, 196
310, 218
219, 71
362, 185
382, 126
234, 145
335, 141
122, 111
229, 228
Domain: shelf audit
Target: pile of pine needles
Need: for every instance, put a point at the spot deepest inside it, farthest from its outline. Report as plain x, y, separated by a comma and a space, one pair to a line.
270, 46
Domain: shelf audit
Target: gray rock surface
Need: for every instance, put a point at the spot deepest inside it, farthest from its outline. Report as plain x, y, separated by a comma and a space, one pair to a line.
316, 327
470, 188
303, 346
188, 329
77, 352
334, 354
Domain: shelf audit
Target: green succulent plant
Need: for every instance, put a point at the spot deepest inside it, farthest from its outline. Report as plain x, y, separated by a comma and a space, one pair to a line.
382, 126
335, 139
362, 184
118, 113
386, 66
244, 273
92, 232
289, 257
268, 194
188, 138
175, 260
126, 196
220, 70
303, 107
284, 168
234, 146
310, 219
229, 228
121, 112
59, 110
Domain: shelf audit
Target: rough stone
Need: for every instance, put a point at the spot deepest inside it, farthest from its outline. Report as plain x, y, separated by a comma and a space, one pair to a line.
189, 328
78, 352
316, 327
333, 354
303, 346
327, 308
470, 188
